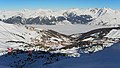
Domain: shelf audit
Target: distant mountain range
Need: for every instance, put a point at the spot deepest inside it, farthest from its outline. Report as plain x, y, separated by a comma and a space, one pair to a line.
91, 16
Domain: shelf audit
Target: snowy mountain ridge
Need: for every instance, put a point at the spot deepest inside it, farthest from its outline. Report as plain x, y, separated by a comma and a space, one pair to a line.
94, 16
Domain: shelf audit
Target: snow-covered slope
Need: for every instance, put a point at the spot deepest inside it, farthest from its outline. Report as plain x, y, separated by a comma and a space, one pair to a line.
10, 32
107, 17
96, 16
108, 58
23, 37
113, 34
38, 47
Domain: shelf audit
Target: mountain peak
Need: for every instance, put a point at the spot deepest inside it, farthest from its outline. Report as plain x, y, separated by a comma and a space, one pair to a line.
98, 16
